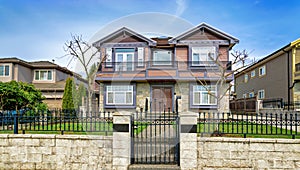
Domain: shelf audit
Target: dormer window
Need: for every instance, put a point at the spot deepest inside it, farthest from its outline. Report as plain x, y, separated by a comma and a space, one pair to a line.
43, 75
203, 56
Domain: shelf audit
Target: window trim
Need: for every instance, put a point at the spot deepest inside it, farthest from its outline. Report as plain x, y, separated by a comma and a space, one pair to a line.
259, 72
124, 106
39, 70
4, 70
202, 105
259, 92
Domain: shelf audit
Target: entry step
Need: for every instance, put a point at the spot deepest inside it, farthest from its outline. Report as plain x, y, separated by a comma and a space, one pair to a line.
153, 167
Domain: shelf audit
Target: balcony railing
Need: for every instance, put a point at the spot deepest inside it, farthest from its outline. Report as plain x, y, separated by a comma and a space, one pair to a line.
180, 65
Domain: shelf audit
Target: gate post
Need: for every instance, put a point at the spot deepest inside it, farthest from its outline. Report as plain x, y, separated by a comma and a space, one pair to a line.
188, 140
121, 140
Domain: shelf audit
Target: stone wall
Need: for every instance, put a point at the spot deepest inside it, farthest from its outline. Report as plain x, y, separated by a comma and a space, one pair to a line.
237, 153
55, 152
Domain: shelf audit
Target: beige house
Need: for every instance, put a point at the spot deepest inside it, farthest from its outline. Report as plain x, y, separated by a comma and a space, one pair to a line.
275, 77
155, 74
46, 76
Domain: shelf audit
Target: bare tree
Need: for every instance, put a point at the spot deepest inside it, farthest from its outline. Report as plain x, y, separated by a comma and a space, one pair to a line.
81, 51
224, 71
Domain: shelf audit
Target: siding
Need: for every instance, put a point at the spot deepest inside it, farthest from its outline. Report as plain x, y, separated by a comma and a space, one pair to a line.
274, 82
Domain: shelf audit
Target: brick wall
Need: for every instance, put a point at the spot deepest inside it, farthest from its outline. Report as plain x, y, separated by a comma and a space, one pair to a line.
231, 153
55, 152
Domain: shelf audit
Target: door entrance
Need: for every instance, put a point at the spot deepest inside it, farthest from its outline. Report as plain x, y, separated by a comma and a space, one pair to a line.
162, 99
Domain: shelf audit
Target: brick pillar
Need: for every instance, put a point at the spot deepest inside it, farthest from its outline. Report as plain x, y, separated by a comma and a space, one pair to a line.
188, 141
121, 140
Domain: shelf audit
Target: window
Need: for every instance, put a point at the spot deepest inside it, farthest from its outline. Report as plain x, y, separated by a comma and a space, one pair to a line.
124, 59
108, 59
202, 56
251, 94
204, 95
43, 75
261, 94
262, 70
246, 78
244, 95
252, 73
119, 95
4, 70
162, 58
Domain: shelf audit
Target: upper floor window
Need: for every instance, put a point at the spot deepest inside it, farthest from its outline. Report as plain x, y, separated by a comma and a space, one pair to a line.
251, 94
124, 59
262, 70
43, 75
204, 95
246, 78
252, 73
162, 57
202, 56
4, 70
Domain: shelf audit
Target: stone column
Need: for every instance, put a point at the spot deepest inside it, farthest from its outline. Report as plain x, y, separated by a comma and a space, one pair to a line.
121, 140
188, 141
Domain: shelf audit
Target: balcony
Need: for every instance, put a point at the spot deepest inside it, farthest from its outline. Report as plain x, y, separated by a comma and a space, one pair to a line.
163, 70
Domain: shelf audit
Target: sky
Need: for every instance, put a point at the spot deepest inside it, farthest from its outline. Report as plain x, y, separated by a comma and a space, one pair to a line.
35, 30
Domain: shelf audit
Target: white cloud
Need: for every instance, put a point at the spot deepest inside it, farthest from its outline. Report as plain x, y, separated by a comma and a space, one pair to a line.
181, 7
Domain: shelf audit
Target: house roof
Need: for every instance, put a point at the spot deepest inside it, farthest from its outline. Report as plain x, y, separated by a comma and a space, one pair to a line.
275, 54
40, 65
227, 36
60, 85
123, 30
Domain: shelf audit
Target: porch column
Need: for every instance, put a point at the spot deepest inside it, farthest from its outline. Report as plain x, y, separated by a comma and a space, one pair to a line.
188, 140
121, 140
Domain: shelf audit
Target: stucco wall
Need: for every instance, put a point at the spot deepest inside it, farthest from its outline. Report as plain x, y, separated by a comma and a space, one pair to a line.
237, 153
55, 152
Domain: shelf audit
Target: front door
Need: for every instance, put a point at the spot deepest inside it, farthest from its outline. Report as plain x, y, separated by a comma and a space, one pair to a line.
162, 99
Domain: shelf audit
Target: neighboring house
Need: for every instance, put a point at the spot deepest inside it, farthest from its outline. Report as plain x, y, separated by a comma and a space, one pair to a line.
48, 77
141, 72
273, 78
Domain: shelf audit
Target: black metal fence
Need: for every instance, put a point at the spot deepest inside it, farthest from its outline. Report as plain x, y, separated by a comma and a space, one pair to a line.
155, 138
58, 121
222, 124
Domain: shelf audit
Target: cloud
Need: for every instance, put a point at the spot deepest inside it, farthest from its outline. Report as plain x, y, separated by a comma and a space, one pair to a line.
181, 7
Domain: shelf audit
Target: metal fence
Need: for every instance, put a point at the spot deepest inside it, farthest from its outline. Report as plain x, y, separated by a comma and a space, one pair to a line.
58, 121
227, 124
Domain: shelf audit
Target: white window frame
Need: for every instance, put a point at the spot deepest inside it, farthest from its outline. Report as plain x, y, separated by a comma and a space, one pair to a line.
244, 95
39, 76
251, 94
162, 62
124, 64
203, 55
4, 67
246, 78
262, 70
140, 58
203, 91
261, 94
116, 90
252, 73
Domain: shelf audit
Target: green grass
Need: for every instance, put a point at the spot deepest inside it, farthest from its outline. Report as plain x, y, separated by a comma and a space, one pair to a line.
140, 126
234, 129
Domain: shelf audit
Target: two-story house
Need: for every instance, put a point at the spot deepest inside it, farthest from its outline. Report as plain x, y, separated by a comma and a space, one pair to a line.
275, 77
46, 76
151, 73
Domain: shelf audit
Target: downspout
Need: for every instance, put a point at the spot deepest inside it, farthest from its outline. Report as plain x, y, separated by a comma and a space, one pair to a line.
288, 77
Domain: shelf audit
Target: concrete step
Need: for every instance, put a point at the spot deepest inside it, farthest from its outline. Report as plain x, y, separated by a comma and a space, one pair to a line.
153, 167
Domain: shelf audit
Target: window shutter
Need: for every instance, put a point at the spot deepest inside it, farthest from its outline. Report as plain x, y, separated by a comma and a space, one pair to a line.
140, 56
108, 61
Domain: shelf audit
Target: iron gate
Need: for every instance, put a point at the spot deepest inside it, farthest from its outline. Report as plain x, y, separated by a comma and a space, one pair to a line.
155, 138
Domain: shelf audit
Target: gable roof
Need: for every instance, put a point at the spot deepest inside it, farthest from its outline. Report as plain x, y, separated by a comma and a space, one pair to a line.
218, 32
123, 30
273, 55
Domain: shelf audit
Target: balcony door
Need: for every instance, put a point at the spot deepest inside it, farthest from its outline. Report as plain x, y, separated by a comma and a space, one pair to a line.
162, 99
124, 59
